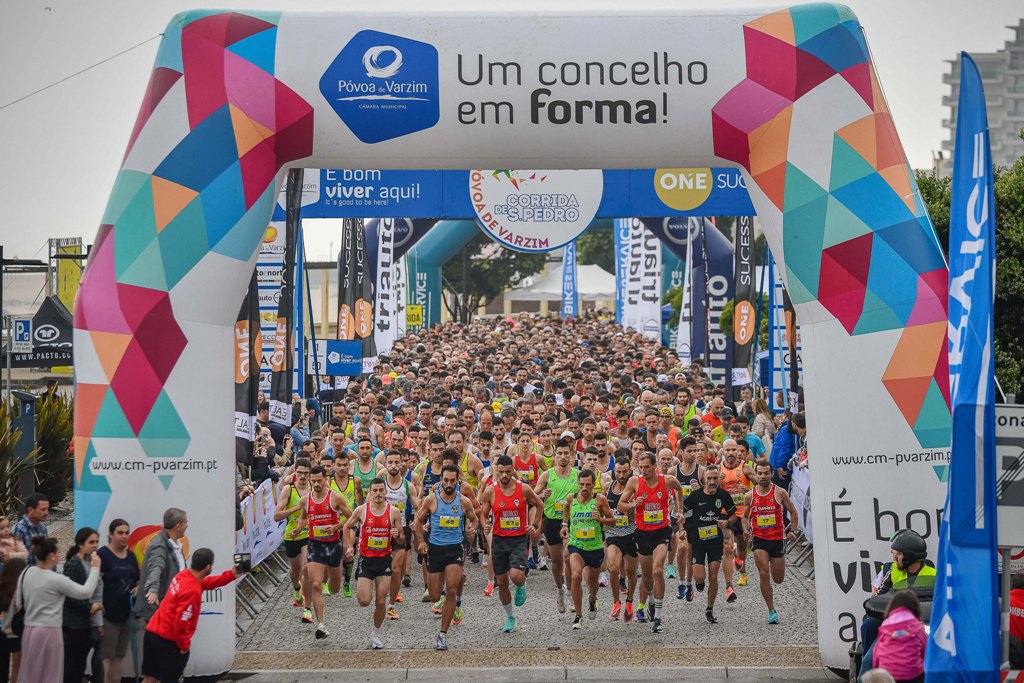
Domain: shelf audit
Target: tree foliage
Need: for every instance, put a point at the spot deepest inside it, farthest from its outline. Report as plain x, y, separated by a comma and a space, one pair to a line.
54, 430
1009, 314
596, 247
492, 270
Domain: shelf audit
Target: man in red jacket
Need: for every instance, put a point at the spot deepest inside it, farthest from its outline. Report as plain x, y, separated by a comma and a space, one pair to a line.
169, 632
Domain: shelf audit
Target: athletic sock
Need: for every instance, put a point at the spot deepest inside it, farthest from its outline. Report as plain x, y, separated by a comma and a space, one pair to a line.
375, 631
508, 609
657, 606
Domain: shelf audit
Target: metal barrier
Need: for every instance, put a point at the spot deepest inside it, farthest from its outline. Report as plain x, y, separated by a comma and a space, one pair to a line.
256, 588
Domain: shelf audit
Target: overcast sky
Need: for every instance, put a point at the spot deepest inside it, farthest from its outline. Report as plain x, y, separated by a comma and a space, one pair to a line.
61, 149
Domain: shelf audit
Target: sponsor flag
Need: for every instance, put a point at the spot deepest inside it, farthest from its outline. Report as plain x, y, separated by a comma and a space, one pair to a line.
684, 333
355, 307
570, 293
642, 304
385, 327
744, 310
965, 615
400, 294
247, 372
621, 231
283, 357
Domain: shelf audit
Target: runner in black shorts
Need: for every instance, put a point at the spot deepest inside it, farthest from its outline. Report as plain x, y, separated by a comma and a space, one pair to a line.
620, 542
708, 511
452, 519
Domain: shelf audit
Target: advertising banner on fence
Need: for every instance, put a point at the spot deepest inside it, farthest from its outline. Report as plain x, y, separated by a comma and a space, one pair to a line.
642, 305
535, 210
260, 534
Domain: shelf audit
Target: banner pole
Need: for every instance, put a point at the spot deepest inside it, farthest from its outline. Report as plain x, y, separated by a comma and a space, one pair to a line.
312, 326
1004, 609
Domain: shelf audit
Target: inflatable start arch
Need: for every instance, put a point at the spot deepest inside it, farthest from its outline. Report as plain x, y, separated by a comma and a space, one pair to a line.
790, 97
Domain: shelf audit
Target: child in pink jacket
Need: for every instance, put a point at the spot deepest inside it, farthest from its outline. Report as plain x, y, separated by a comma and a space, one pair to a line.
901, 639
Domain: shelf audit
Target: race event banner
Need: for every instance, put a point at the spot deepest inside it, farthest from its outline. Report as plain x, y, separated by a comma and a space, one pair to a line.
247, 375
570, 293
744, 313
385, 291
642, 299
269, 269
260, 534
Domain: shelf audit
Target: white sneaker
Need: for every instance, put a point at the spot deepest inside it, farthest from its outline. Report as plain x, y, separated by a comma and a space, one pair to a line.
321, 631
602, 579
543, 563
561, 601
375, 642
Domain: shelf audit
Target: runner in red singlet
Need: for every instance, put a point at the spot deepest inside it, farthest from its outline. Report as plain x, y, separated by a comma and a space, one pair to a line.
763, 520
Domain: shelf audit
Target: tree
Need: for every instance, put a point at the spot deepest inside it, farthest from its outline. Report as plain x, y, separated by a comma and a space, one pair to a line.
596, 247
1009, 315
492, 269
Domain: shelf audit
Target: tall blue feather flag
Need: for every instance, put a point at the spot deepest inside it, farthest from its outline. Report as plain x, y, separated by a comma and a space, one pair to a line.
964, 639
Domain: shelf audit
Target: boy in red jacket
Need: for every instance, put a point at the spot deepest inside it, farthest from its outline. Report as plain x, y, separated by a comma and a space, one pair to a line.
169, 632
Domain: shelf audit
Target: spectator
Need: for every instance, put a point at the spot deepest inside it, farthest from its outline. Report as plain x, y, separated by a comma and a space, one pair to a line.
163, 560
10, 645
42, 592
169, 633
119, 570
78, 613
785, 447
10, 547
29, 527
764, 423
901, 641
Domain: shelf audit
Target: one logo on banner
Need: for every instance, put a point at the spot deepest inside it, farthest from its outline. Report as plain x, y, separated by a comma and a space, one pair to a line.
683, 189
383, 86
535, 210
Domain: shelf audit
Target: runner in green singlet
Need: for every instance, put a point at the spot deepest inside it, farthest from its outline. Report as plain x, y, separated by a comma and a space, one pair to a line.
554, 486
583, 520
364, 467
351, 490
289, 506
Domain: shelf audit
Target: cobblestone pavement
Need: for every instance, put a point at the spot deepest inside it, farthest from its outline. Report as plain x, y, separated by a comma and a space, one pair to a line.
740, 638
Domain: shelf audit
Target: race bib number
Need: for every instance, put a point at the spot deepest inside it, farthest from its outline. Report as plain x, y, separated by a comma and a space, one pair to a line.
621, 521
525, 475
687, 490
765, 521
510, 523
654, 516
449, 521
707, 532
377, 542
322, 532
737, 498
586, 534
560, 506
400, 506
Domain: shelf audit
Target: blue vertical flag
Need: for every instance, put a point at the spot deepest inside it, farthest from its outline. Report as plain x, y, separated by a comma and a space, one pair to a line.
965, 616
621, 231
570, 292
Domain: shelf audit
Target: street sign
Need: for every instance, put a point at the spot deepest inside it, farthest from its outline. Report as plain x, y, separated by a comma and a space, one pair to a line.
414, 315
1010, 474
22, 335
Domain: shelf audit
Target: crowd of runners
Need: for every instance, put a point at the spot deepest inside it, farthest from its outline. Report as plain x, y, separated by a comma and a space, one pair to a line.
533, 446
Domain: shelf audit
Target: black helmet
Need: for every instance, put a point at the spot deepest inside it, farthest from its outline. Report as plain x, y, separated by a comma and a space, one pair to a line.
910, 543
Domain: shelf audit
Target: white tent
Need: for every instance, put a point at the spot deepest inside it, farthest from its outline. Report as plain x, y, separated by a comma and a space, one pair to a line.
593, 282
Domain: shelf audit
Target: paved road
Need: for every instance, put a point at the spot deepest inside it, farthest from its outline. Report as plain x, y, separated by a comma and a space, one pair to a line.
740, 625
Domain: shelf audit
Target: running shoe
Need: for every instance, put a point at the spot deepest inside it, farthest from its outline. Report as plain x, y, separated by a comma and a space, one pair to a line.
700, 587
628, 615
742, 581
457, 618
641, 613
543, 564
622, 583
710, 616
442, 642
346, 590
671, 570
399, 598
489, 589
407, 581
392, 613
375, 642
561, 600
689, 592
531, 563
592, 614
651, 615
321, 632
657, 625
510, 625
438, 606
474, 557
773, 617
739, 564
325, 589
297, 598
730, 594
616, 611
577, 623
520, 595
681, 591
602, 579
426, 596
307, 616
